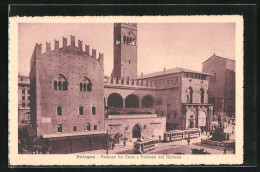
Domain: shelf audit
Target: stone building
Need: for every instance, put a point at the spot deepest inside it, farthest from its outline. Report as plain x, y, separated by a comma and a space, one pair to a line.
71, 97
221, 85
67, 89
23, 99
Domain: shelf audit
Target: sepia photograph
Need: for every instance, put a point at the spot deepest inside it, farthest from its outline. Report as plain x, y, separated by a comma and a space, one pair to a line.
126, 90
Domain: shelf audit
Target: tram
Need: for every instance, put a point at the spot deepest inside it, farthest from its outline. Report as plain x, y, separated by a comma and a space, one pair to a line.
146, 145
174, 135
191, 133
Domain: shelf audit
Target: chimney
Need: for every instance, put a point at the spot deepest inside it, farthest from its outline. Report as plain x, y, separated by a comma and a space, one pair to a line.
87, 49
72, 40
164, 69
48, 47
56, 45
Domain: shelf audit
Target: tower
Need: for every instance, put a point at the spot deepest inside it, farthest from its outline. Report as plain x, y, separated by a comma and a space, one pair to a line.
125, 50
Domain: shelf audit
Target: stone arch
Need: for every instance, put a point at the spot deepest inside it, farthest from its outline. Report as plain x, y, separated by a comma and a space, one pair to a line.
136, 132
147, 101
132, 101
115, 100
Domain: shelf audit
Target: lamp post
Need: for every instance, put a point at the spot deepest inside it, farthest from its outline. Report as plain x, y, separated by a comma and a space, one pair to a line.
107, 141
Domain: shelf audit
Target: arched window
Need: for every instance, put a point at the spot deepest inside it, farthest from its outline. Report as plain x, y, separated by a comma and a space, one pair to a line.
159, 101
88, 126
201, 95
60, 83
59, 111
86, 85
93, 110
127, 40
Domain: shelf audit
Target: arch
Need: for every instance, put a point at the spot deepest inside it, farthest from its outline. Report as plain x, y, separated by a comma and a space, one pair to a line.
93, 110
114, 113
202, 95
147, 101
230, 111
202, 118
89, 84
132, 101
115, 100
137, 131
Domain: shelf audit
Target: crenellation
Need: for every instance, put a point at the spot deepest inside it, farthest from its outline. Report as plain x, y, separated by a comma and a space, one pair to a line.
80, 46
87, 49
64, 41
72, 39
71, 49
56, 45
94, 53
48, 47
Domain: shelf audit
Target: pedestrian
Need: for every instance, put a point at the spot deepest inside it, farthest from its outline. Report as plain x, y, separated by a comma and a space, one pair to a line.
227, 136
225, 151
188, 140
124, 141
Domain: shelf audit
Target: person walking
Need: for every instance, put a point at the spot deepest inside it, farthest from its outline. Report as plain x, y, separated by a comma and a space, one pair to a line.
113, 145
225, 151
188, 140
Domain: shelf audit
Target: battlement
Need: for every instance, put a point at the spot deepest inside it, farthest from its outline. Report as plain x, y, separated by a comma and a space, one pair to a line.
129, 83
69, 49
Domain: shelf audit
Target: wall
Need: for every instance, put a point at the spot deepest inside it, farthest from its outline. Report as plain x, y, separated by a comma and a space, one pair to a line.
150, 125
74, 64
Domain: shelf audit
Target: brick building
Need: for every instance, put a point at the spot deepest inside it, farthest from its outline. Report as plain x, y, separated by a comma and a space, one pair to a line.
67, 89
23, 99
221, 85
71, 97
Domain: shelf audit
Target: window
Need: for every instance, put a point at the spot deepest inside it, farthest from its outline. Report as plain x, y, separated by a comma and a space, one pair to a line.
129, 61
29, 104
190, 94
81, 110
162, 113
55, 85
93, 110
74, 128
187, 75
23, 91
61, 84
29, 91
168, 106
201, 95
59, 111
168, 116
86, 86
175, 114
124, 39
59, 129
159, 101
29, 98
23, 98
95, 127
23, 104
21, 79
127, 40
88, 126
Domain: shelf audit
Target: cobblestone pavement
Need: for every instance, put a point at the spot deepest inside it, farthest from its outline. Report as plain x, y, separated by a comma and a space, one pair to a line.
171, 147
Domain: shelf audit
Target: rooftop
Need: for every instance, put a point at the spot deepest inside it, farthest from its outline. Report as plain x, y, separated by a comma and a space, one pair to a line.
170, 71
214, 55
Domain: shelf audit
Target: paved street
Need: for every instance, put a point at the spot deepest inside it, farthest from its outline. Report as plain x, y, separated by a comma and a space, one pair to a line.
171, 147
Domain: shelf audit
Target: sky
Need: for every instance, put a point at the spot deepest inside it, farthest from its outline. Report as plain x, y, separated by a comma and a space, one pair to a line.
159, 45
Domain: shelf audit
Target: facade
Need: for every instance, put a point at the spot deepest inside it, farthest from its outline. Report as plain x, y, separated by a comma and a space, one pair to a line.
221, 85
23, 99
71, 97
67, 89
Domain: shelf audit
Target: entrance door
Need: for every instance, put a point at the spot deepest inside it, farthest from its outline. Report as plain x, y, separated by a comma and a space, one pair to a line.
136, 131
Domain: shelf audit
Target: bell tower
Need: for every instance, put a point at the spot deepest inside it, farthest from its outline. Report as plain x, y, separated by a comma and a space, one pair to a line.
125, 50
